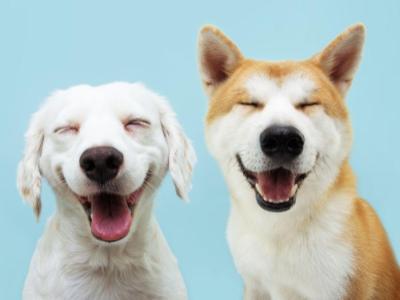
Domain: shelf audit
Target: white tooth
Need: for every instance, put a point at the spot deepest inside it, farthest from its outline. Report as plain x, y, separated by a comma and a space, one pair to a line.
293, 191
258, 189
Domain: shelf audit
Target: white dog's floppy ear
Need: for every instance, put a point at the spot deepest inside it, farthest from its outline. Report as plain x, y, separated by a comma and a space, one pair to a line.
29, 177
181, 154
340, 59
218, 57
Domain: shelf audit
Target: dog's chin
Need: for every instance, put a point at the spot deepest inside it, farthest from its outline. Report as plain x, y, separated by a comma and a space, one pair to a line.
275, 189
110, 215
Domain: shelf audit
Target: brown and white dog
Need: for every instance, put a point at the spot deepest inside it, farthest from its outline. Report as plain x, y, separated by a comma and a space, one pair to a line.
282, 136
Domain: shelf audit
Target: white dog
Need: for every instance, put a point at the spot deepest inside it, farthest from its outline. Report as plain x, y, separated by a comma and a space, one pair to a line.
104, 150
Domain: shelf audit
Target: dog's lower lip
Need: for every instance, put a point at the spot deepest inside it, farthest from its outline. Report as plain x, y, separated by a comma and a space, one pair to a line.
275, 207
110, 215
106, 216
272, 205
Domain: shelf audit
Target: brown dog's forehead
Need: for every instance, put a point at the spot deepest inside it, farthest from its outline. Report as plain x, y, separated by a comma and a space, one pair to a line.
233, 90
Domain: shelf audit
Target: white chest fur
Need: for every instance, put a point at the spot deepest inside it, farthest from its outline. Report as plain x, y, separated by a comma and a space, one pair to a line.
308, 262
78, 269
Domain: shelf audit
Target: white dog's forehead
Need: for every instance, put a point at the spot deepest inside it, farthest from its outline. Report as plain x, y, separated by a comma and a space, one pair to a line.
83, 117
294, 87
120, 100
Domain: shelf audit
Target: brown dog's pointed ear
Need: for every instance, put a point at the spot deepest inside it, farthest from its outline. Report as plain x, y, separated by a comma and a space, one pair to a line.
218, 57
340, 59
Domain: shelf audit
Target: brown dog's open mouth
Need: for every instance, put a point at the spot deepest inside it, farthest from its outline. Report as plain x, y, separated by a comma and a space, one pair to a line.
110, 215
275, 189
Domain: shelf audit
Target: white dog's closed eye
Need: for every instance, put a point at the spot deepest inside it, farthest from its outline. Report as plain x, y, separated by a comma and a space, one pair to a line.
29, 177
181, 154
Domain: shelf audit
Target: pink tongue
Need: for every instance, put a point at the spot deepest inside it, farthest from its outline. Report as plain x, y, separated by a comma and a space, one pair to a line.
111, 219
276, 185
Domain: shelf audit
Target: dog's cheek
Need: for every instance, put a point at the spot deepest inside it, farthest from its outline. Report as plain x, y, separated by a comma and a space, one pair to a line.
152, 151
67, 169
214, 135
225, 135
344, 137
159, 153
45, 167
331, 138
137, 165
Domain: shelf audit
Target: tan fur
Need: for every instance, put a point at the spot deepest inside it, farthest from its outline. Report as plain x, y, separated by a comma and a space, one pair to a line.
376, 273
226, 96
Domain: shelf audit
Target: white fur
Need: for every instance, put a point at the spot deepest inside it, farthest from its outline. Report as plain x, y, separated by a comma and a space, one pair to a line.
69, 263
298, 254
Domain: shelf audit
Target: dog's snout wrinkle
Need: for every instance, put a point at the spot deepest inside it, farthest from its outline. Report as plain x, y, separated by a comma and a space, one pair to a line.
101, 164
283, 143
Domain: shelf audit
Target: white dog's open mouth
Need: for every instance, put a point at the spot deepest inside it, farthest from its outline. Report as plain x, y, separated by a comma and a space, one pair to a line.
110, 215
275, 189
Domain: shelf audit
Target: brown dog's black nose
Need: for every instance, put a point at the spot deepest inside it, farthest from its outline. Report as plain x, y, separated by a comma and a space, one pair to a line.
101, 164
283, 143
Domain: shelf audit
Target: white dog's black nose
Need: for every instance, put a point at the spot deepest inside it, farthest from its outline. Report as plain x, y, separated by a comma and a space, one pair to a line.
101, 164
282, 143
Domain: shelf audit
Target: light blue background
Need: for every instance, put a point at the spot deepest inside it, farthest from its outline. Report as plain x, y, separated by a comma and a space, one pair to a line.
47, 45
